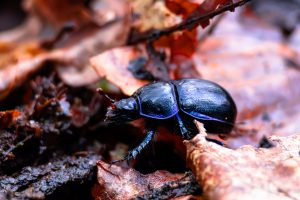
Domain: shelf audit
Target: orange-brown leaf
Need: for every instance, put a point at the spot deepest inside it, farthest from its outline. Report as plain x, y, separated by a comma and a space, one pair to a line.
181, 7
248, 172
122, 184
113, 65
8, 117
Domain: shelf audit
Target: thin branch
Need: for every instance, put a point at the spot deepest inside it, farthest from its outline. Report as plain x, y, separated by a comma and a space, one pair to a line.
210, 29
14, 147
191, 22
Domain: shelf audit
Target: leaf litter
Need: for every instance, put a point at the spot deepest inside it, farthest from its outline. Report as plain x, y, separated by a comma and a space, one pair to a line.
249, 54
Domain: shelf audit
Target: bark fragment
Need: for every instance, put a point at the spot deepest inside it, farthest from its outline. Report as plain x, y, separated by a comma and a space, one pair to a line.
42, 181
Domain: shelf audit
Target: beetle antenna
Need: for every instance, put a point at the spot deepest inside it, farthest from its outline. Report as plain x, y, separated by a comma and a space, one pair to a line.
101, 92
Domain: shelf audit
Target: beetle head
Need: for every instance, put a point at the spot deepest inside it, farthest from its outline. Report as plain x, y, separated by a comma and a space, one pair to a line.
123, 111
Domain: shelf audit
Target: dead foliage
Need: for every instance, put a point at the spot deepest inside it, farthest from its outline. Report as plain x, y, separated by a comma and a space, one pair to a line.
115, 182
55, 54
246, 172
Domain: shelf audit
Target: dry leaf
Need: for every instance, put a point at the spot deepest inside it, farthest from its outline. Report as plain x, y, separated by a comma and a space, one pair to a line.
153, 15
51, 11
22, 59
77, 53
113, 65
248, 172
8, 117
121, 184
80, 72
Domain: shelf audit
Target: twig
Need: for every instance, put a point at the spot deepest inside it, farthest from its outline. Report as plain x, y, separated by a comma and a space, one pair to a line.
19, 144
190, 22
210, 29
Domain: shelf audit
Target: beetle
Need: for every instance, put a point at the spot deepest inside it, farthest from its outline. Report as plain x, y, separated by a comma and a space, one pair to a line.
180, 100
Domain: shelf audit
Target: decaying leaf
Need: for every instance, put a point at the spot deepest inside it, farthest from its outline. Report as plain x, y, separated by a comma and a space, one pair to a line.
8, 117
194, 13
248, 172
104, 11
118, 183
50, 11
253, 53
13, 75
76, 54
153, 15
23, 59
76, 70
113, 64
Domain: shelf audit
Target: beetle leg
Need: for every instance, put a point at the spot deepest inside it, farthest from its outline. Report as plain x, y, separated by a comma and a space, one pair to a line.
133, 153
183, 130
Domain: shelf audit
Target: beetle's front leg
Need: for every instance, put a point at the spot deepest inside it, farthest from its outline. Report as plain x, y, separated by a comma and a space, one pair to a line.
137, 150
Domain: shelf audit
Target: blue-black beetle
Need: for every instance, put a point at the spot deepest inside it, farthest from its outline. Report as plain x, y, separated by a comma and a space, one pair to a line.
180, 100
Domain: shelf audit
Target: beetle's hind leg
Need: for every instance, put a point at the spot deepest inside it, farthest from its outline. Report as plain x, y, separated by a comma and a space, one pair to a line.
134, 152
186, 134
188, 129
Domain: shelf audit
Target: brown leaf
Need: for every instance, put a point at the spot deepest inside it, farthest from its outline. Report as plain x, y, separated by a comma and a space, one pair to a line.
13, 75
119, 183
113, 65
183, 43
23, 33
152, 15
13, 53
22, 58
73, 11
8, 117
76, 53
181, 7
248, 172
78, 71
206, 7
180, 44
104, 11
